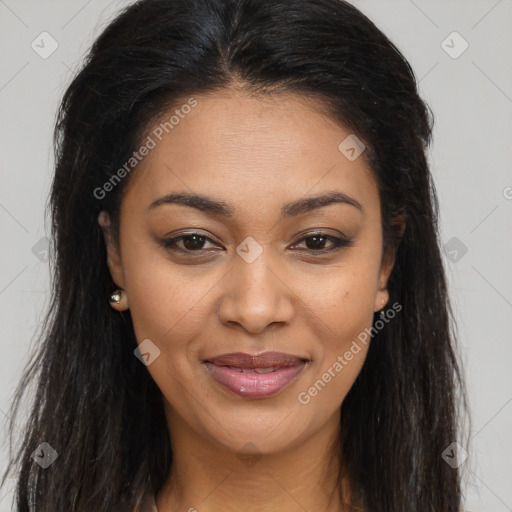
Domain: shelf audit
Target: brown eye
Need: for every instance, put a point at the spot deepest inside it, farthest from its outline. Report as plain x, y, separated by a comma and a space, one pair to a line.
315, 243
191, 242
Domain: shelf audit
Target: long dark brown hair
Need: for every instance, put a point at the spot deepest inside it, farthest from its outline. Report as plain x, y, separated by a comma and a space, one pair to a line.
95, 403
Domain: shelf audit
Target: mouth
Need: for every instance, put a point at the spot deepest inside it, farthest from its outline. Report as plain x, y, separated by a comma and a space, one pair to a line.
256, 376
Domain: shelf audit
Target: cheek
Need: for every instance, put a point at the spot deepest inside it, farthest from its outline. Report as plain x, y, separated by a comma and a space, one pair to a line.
341, 298
341, 346
342, 309
166, 302
167, 298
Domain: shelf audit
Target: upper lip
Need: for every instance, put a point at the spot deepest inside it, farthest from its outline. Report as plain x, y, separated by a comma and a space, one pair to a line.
263, 360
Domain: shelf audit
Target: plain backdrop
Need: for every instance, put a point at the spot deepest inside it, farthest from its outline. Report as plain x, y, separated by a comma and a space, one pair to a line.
460, 51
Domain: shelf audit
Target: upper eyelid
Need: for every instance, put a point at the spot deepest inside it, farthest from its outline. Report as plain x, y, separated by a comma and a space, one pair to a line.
191, 233
301, 239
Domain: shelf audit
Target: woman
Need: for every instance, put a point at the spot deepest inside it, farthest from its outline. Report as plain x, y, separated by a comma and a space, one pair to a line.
249, 305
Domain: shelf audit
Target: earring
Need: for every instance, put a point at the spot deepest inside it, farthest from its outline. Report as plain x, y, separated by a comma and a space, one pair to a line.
382, 314
115, 299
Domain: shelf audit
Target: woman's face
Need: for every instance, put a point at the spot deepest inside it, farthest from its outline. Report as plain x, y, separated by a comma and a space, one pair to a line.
256, 279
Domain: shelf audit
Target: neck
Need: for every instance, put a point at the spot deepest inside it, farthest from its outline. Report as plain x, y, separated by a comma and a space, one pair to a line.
207, 476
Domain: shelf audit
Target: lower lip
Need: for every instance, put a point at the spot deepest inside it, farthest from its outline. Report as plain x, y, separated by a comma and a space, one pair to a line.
254, 385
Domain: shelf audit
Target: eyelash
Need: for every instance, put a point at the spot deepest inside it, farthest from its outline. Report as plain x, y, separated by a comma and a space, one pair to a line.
338, 243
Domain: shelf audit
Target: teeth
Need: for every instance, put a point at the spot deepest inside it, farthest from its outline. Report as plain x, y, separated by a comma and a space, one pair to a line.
235, 368
264, 370
252, 370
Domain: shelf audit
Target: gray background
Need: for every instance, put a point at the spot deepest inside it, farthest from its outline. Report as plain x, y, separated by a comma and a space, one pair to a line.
471, 96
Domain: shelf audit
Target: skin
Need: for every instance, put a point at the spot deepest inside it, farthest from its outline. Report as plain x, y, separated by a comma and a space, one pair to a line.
255, 154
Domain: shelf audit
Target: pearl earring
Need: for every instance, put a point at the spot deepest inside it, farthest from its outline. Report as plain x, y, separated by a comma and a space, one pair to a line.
115, 298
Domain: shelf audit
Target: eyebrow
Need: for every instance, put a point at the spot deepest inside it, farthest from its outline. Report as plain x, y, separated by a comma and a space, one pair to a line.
218, 207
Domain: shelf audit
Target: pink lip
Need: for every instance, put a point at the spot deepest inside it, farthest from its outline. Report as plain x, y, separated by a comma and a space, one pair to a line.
253, 384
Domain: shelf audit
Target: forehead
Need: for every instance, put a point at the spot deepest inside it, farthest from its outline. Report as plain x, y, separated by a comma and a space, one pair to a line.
253, 149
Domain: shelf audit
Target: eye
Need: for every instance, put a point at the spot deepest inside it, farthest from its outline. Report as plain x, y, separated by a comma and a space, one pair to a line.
191, 242
315, 242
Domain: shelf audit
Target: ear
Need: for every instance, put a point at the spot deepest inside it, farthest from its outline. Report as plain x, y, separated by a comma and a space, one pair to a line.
382, 296
113, 252
388, 262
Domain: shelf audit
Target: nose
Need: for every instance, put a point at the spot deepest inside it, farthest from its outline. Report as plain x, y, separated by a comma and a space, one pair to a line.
255, 296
